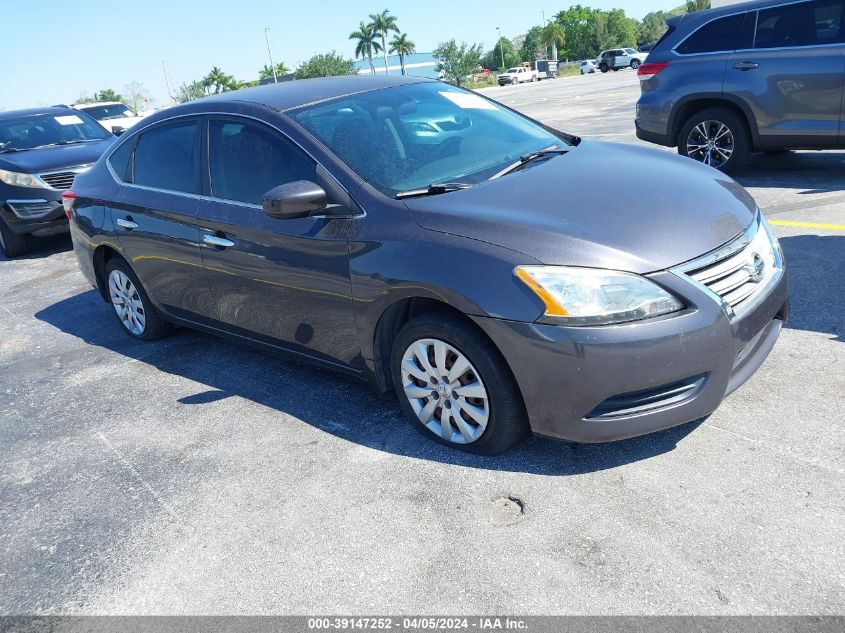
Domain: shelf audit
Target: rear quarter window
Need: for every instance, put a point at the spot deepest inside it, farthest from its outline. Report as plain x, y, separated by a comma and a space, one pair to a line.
720, 35
119, 160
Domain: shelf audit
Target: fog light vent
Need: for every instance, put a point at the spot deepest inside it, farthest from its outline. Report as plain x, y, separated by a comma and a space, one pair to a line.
648, 399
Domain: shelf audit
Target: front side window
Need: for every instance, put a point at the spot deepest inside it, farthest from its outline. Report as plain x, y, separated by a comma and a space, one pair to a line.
722, 35
40, 130
803, 24
166, 157
411, 136
246, 160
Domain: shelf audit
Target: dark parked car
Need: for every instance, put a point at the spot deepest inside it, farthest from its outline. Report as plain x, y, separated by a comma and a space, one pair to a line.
492, 280
758, 76
41, 150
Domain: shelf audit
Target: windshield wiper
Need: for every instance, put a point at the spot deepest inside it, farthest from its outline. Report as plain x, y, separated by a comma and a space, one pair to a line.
433, 190
13, 149
530, 158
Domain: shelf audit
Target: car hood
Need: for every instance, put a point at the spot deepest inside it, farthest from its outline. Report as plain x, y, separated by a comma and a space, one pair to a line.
602, 205
37, 161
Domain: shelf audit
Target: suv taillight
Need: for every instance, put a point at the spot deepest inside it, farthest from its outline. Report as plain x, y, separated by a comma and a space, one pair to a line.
68, 198
647, 71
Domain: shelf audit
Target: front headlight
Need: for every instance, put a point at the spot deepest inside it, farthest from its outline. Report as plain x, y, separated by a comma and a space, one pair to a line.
21, 180
590, 296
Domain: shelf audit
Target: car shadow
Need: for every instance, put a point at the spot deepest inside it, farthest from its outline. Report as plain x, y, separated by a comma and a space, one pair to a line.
41, 247
808, 172
816, 266
334, 403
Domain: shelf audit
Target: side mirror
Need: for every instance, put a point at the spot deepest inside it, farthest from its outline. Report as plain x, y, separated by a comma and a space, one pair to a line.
117, 130
297, 199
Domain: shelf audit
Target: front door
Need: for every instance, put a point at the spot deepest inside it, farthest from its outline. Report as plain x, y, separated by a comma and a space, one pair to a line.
282, 281
793, 77
155, 219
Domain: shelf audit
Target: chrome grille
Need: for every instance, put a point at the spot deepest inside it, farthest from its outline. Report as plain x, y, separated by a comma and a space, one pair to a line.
740, 273
62, 180
59, 180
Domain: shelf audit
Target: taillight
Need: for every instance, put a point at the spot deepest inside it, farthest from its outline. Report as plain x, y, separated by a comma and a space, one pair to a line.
647, 71
68, 198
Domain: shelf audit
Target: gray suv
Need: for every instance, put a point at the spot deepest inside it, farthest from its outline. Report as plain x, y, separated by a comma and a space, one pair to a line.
759, 76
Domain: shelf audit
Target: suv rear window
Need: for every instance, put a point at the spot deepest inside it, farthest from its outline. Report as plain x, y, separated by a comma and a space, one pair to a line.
804, 24
717, 36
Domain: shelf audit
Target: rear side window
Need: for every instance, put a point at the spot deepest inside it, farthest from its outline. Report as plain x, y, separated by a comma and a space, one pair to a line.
119, 160
803, 24
720, 35
247, 160
166, 158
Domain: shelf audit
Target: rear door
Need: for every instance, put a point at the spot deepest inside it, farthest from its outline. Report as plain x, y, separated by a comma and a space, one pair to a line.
155, 218
280, 281
793, 76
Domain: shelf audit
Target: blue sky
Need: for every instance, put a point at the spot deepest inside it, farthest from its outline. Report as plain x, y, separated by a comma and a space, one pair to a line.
97, 43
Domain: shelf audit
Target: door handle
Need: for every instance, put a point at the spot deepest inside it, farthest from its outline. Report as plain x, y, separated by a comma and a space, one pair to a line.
746, 65
127, 224
216, 240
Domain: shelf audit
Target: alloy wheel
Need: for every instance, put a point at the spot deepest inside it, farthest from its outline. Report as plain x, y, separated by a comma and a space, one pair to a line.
445, 391
127, 302
711, 142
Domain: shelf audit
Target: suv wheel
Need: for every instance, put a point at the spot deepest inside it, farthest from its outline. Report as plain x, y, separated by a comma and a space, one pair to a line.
514, 81
132, 306
456, 386
635, 63
604, 67
12, 244
717, 137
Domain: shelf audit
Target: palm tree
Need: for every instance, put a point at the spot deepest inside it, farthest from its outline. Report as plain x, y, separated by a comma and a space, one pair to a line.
220, 81
401, 45
382, 23
367, 43
554, 34
267, 71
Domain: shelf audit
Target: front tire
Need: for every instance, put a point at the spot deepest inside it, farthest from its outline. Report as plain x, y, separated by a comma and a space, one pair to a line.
131, 305
717, 137
456, 386
604, 68
13, 245
514, 81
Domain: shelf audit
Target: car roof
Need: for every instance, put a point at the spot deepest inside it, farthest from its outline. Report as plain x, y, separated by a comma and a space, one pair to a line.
292, 94
14, 114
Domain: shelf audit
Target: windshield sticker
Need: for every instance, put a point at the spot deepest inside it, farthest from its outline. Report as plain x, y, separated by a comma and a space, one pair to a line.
468, 101
71, 119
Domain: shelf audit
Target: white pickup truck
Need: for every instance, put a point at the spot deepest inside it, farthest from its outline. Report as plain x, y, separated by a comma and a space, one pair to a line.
518, 75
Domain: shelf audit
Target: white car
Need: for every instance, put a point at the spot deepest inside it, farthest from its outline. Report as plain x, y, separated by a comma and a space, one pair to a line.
588, 67
625, 58
518, 75
111, 114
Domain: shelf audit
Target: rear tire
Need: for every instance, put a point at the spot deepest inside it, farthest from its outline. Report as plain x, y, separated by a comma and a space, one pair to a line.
13, 245
635, 63
717, 137
131, 305
480, 404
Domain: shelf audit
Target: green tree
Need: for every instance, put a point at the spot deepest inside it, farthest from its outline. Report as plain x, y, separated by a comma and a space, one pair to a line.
267, 71
534, 46
697, 5
326, 65
554, 35
216, 81
402, 46
382, 24
504, 49
189, 91
622, 29
457, 62
107, 94
367, 43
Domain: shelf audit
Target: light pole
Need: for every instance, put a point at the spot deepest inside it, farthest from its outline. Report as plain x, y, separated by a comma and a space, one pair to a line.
270, 55
166, 80
501, 50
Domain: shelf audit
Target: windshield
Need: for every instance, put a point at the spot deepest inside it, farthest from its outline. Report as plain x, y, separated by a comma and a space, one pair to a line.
35, 130
409, 137
111, 111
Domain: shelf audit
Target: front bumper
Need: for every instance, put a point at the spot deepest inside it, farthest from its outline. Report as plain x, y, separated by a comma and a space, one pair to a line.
41, 215
597, 384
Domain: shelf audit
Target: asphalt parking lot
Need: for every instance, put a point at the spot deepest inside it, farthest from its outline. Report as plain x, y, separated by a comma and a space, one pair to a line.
194, 476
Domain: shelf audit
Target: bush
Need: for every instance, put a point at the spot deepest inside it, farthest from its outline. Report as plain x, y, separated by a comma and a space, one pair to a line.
326, 65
